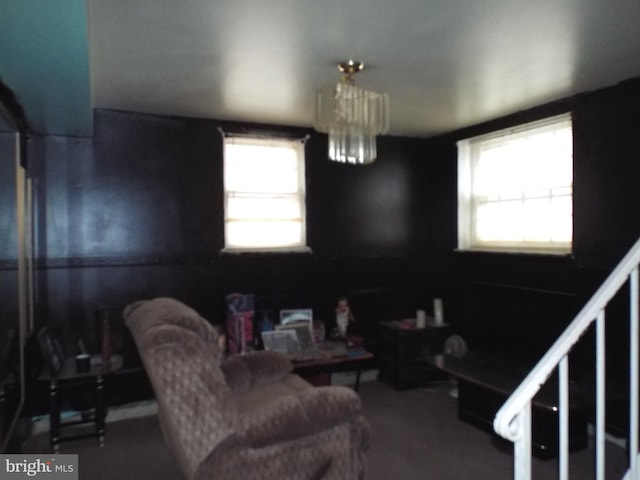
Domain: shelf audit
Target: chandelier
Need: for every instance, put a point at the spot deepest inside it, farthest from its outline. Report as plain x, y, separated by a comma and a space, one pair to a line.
352, 116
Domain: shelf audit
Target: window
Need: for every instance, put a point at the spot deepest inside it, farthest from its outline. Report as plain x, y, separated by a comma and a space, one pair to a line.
264, 194
515, 189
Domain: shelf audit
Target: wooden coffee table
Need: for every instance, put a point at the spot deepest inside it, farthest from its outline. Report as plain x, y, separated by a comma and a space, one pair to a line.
486, 380
318, 370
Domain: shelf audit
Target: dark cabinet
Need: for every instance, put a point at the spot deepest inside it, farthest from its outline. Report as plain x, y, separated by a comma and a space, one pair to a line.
403, 353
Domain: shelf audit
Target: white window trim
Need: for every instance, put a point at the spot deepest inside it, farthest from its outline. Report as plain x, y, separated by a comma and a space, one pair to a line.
466, 236
298, 144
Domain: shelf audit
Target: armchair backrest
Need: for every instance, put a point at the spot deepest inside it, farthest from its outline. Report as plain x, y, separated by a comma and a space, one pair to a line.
182, 359
168, 311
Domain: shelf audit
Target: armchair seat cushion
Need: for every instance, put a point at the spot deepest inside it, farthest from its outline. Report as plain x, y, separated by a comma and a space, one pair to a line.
288, 417
259, 368
260, 397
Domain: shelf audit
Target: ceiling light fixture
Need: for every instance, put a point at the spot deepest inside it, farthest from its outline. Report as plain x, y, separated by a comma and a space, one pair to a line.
352, 116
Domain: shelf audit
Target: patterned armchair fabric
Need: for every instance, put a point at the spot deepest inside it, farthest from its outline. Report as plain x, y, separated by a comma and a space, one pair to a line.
245, 418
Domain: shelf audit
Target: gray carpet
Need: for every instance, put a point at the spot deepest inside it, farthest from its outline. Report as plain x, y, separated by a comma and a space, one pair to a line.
416, 435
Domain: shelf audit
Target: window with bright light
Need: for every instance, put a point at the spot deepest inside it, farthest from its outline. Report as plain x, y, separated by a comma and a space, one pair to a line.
264, 194
515, 189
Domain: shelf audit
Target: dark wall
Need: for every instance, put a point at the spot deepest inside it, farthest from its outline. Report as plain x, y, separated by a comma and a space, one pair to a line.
136, 212
8, 234
607, 172
482, 290
8, 223
605, 123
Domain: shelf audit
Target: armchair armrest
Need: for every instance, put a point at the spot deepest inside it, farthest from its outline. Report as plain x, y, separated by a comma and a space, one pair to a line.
258, 368
293, 416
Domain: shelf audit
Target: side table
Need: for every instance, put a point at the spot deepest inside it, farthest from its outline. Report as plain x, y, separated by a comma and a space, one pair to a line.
68, 378
404, 350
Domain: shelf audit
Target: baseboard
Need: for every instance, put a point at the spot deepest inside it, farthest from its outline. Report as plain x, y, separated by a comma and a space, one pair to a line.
122, 412
347, 379
621, 442
150, 407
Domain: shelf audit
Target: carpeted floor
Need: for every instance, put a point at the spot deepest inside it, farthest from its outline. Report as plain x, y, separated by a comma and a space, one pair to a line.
416, 435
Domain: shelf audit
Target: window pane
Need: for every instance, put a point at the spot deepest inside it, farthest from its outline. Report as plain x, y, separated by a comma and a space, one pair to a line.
536, 226
263, 234
250, 168
561, 228
263, 208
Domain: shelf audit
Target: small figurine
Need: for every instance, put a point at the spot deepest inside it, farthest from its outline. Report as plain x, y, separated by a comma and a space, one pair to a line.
343, 316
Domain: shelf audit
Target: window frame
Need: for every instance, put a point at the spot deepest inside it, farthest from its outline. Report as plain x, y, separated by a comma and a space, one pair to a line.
468, 158
297, 144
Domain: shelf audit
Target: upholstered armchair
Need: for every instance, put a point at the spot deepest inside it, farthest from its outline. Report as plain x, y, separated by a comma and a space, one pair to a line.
247, 417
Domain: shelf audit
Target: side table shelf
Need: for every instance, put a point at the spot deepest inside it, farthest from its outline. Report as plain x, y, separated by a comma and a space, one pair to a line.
404, 351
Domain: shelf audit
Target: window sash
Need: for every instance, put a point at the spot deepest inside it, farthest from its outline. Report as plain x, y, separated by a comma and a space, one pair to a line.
515, 188
264, 194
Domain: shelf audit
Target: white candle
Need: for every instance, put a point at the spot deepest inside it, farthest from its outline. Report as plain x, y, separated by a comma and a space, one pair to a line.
438, 313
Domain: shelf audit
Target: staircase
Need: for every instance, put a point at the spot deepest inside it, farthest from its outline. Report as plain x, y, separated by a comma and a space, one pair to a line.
513, 420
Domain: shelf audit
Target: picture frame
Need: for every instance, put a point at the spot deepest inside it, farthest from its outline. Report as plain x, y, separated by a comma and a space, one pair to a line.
52, 351
304, 334
294, 315
281, 341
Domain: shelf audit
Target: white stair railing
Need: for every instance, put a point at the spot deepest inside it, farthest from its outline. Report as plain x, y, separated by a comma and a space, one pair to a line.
513, 420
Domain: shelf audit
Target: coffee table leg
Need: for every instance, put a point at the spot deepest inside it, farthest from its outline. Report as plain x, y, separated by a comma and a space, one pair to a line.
357, 385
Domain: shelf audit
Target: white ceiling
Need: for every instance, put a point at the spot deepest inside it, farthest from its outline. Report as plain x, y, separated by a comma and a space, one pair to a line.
446, 64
